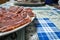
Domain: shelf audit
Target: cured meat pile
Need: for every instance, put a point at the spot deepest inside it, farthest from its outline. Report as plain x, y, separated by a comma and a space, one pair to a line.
14, 17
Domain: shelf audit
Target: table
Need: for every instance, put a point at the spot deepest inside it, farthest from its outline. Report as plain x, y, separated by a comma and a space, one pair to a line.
46, 22
45, 25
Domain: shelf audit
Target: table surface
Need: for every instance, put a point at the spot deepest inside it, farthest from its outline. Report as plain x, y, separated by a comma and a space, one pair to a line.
47, 22
46, 25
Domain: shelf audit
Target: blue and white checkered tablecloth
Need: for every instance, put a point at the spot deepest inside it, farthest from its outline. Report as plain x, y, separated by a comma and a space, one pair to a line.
46, 29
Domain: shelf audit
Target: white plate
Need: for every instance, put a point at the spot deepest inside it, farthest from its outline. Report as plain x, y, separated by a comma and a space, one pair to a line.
5, 33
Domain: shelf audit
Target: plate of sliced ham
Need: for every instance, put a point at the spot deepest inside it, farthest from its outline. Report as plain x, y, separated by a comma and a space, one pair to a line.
14, 18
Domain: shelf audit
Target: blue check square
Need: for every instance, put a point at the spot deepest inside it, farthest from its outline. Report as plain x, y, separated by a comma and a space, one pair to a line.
51, 25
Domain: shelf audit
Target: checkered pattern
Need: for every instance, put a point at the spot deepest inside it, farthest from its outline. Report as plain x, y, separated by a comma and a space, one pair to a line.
57, 10
46, 29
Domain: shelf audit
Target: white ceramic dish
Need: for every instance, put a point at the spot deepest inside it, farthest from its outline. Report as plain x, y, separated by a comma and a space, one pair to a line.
5, 33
